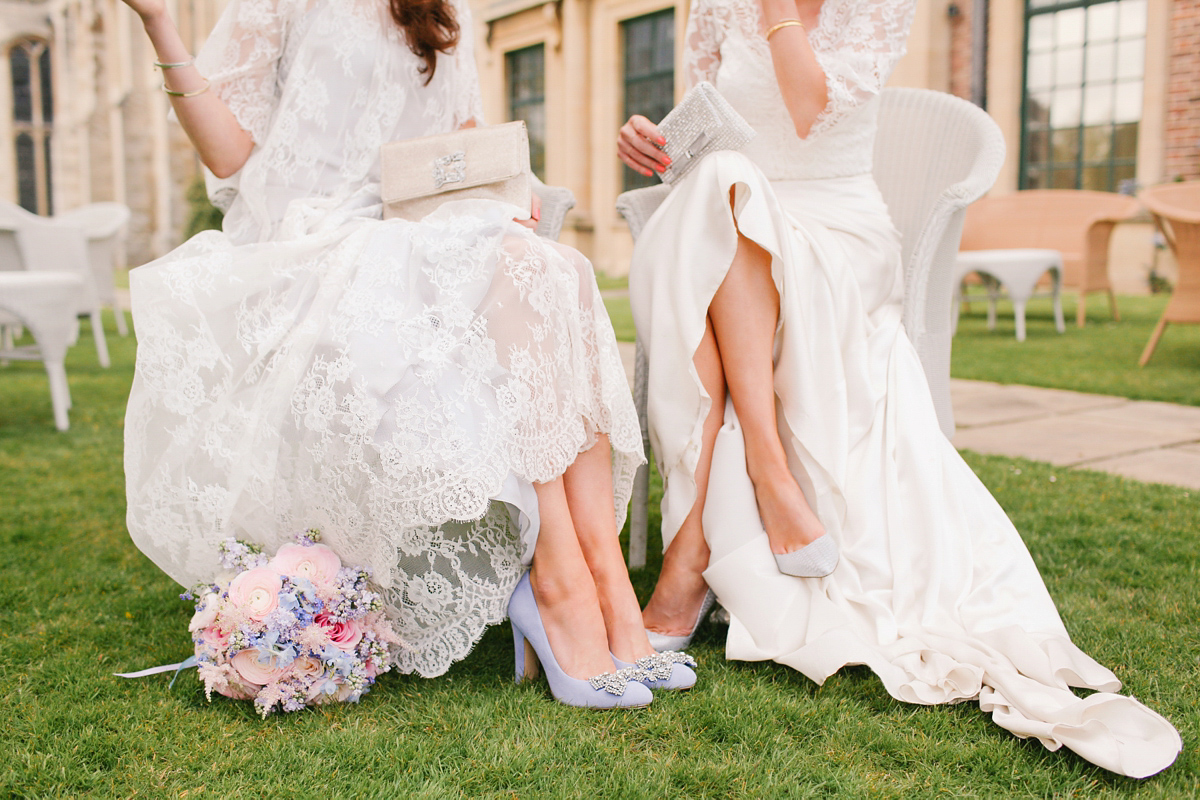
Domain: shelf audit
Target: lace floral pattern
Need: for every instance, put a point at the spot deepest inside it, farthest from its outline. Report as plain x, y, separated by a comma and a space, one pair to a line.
398, 385
857, 43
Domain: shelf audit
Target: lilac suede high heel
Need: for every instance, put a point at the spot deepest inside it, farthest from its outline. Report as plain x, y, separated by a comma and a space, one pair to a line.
669, 670
617, 689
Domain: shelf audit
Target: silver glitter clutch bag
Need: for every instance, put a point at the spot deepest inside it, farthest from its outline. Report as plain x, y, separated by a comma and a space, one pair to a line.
490, 163
702, 123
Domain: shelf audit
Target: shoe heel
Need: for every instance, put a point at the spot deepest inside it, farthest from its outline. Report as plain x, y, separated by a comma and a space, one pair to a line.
525, 657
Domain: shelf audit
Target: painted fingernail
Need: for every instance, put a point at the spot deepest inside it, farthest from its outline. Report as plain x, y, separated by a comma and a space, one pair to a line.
661, 140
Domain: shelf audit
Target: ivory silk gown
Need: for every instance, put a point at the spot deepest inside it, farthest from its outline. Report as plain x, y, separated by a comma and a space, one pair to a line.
935, 590
398, 385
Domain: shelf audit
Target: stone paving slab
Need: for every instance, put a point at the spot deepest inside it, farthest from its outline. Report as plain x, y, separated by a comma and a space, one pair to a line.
1179, 466
1147, 441
981, 403
1067, 439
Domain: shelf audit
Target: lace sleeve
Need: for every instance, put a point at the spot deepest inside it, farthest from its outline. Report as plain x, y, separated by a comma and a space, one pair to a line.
241, 60
702, 43
858, 46
468, 101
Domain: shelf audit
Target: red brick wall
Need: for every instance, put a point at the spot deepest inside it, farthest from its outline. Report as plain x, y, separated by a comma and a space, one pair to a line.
1183, 92
960, 50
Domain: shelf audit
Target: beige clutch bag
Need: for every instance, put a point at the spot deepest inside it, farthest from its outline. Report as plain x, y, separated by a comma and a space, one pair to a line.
490, 163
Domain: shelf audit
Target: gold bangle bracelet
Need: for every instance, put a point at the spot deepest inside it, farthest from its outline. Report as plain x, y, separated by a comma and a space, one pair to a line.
174, 93
174, 64
787, 23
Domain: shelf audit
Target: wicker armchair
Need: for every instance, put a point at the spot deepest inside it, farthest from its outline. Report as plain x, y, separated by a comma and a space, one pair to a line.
1176, 210
934, 155
1077, 223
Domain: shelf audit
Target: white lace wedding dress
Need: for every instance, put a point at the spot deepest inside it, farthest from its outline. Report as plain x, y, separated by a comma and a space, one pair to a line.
397, 385
935, 591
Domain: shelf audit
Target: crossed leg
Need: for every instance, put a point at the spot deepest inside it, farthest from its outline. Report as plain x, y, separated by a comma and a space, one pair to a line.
735, 355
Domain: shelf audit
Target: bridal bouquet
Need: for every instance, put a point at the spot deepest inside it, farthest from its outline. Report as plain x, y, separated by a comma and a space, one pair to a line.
290, 631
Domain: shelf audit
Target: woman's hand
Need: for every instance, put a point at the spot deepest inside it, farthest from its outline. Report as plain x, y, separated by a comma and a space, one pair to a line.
638, 146
535, 214
147, 9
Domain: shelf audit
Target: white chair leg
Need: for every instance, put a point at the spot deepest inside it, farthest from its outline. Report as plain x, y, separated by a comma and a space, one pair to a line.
991, 308
60, 393
639, 518
98, 335
1059, 324
956, 303
122, 328
1019, 315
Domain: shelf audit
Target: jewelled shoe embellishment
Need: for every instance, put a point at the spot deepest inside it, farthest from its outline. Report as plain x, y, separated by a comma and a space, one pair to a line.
615, 682
658, 666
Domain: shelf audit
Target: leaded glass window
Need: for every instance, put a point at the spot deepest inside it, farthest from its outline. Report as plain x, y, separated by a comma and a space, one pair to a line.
33, 114
649, 49
1084, 63
526, 73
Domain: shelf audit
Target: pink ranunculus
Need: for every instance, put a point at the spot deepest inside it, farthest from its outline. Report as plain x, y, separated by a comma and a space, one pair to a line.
207, 614
247, 665
345, 635
256, 592
316, 562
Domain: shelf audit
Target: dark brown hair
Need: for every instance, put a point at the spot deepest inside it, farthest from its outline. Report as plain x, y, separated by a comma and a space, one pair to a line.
430, 27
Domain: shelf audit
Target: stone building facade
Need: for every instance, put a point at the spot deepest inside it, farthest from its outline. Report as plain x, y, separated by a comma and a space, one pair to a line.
1100, 94
87, 119
1088, 93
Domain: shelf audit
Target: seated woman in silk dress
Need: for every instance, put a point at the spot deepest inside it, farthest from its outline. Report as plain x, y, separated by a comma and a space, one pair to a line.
807, 483
443, 399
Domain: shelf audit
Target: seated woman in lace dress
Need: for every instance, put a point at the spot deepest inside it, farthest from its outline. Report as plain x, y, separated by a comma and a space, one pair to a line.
443, 399
807, 482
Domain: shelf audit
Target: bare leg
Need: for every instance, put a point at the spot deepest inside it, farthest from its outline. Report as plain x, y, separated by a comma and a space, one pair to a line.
589, 490
680, 590
564, 589
744, 314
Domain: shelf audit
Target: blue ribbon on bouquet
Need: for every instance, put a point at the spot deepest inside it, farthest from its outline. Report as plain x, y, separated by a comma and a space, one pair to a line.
180, 667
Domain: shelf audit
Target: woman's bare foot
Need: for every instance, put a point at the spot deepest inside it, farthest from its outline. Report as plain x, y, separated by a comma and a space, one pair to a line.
788, 519
680, 590
570, 612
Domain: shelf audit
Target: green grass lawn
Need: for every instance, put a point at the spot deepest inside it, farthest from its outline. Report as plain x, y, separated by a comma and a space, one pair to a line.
79, 602
1102, 357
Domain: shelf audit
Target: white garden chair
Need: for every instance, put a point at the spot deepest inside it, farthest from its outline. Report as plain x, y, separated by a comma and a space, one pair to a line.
40, 244
105, 225
934, 155
45, 302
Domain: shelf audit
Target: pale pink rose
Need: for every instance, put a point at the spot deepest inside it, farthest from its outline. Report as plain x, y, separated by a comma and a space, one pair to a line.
248, 667
256, 592
207, 614
345, 635
215, 638
307, 667
316, 562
